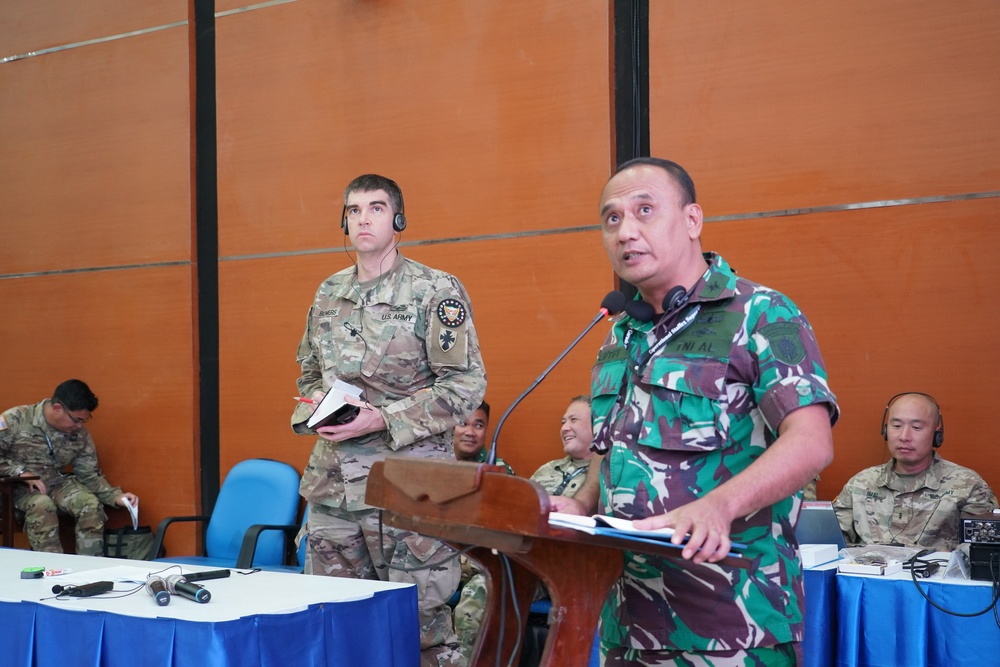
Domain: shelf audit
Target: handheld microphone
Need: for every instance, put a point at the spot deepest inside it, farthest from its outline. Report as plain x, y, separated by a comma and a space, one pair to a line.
207, 574
611, 305
156, 587
178, 585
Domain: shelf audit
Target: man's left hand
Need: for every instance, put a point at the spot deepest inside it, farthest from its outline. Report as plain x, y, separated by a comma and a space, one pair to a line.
369, 420
127, 499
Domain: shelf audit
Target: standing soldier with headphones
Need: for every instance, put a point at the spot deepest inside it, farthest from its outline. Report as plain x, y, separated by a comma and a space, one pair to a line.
915, 499
401, 332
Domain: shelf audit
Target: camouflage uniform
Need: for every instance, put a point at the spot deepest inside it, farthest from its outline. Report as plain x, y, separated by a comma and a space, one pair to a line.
407, 339
28, 442
471, 605
482, 457
562, 477
879, 506
706, 403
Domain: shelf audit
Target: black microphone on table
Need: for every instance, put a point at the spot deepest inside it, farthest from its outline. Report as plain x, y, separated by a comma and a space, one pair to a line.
611, 305
178, 585
157, 587
84, 590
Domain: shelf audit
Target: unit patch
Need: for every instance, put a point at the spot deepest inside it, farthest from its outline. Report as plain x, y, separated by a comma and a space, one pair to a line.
451, 313
786, 345
447, 340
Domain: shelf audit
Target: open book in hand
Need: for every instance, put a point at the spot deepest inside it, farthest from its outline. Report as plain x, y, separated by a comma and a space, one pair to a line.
334, 408
612, 526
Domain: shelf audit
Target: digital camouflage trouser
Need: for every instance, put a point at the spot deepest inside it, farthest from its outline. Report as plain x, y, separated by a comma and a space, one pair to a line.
347, 544
41, 521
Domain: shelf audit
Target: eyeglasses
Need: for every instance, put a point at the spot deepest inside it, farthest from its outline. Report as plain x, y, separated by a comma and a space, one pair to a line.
76, 420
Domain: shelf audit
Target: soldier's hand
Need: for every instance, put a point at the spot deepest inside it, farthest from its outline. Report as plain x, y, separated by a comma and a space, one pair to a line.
36, 485
128, 499
369, 420
705, 525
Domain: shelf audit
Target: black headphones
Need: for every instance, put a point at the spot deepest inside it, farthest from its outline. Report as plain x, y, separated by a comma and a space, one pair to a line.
398, 220
938, 428
676, 298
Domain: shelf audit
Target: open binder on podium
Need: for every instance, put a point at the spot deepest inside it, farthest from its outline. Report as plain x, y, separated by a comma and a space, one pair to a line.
479, 504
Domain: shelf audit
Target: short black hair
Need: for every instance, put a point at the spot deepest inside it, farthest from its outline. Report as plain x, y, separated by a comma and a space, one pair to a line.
485, 407
674, 170
75, 395
372, 182
582, 398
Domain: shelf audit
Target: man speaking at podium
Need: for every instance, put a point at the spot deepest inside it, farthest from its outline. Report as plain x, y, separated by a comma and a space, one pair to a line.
712, 410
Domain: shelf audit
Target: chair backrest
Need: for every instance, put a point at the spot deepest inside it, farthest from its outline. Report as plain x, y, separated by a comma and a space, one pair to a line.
255, 491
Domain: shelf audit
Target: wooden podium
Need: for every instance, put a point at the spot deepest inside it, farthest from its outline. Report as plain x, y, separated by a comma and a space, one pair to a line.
477, 504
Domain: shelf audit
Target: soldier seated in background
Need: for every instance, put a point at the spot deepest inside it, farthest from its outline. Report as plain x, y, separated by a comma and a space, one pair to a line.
470, 445
42, 440
470, 438
915, 499
563, 477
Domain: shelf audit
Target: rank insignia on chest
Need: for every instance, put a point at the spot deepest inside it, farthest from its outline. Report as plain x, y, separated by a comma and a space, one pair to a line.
451, 313
447, 340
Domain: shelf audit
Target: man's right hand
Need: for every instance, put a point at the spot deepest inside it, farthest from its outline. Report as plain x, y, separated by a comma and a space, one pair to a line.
567, 505
36, 485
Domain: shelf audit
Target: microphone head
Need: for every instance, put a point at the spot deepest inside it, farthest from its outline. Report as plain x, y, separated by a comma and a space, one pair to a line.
613, 303
640, 311
156, 587
57, 589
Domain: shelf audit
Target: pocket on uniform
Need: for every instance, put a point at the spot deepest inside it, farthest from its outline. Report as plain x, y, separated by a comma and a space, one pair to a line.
685, 404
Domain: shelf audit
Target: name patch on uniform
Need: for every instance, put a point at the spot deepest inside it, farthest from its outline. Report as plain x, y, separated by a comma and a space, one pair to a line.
612, 354
786, 345
328, 313
397, 316
451, 313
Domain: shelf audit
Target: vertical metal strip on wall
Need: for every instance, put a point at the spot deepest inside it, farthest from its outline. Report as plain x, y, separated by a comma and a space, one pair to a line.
630, 51
206, 231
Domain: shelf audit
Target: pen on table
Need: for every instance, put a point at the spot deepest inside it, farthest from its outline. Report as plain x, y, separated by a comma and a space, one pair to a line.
303, 400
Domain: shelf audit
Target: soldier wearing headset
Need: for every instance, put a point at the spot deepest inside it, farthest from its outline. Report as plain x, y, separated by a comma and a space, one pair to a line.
917, 497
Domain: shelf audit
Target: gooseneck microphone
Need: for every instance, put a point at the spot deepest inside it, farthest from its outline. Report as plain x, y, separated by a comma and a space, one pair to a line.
178, 585
156, 587
611, 305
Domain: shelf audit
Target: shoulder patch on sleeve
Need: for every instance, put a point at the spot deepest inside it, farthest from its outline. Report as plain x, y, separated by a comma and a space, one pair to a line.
785, 342
3, 423
451, 313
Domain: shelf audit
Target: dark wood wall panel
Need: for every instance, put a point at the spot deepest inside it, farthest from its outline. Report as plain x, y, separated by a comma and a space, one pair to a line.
783, 106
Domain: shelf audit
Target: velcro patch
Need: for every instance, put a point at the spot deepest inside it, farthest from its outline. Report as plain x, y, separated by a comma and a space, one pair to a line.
447, 339
786, 345
3, 423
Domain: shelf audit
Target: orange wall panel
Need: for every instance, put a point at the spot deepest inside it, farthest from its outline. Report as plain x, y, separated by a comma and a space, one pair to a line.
96, 156
782, 105
127, 334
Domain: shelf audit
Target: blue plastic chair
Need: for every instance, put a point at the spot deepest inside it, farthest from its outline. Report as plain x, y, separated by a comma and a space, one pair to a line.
256, 491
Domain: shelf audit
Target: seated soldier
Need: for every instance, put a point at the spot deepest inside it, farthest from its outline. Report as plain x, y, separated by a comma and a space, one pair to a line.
563, 477
915, 499
470, 438
470, 445
42, 440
